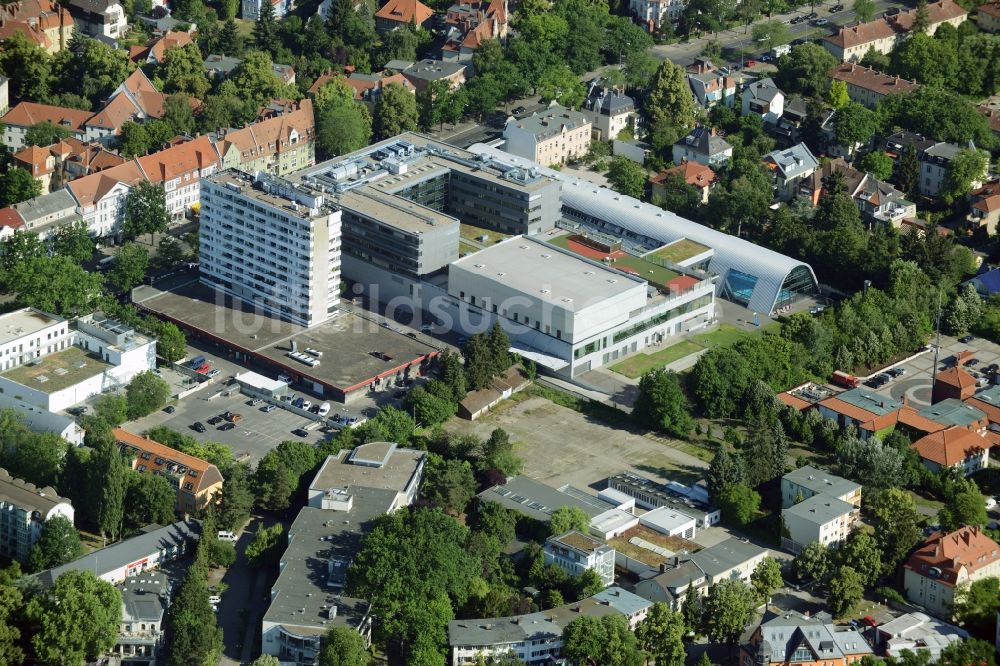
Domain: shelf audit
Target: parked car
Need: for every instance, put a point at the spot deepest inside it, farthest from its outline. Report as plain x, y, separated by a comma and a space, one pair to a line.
267, 409
836, 8
967, 339
299, 432
796, 21
797, 42
215, 420
169, 409
213, 373
226, 426
199, 426
892, 11
518, 110
324, 409
972, 362
215, 600
813, 15
226, 535
306, 404
991, 368
235, 418
298, 402
820, 22
751, 63
896, 372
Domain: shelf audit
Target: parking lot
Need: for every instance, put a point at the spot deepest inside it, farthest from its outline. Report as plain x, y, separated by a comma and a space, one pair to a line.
915, 384
255, 435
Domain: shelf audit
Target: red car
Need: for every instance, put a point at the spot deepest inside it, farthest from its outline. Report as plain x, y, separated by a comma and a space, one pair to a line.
203, 368
751, 63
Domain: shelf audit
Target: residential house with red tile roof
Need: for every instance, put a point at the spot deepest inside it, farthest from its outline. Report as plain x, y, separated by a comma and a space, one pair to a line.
156, 49
697, 175
946, 561
396, 13
135, 99
877, 200
278, 145
469, 24
852, 43
46, 24
81, 159
984, 207
10, 222
992, 114
867, 86
958, 447
938, 13
197, 481
367, 87
17, 121
39, 162
180, 169
954, 382
101, 197
988, 16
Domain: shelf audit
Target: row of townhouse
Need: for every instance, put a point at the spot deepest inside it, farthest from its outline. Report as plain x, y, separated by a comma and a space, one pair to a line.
280, 143
852, 43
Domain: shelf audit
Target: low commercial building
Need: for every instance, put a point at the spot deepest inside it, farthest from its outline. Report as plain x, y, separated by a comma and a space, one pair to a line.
571, 314
821, 518
957, 447
917, 632
72, 362
807, 481
134, 556
553, 136
670, 522
381, 465
24, 510
946, 561
649, 494
145, 600
536, 638
576, 552
796, 638
732, 559
197, 481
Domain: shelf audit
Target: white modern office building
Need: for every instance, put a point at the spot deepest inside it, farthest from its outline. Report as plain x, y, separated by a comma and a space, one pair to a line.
271, 245
54, 364
567, 313
750, 275
24, 510
576, 552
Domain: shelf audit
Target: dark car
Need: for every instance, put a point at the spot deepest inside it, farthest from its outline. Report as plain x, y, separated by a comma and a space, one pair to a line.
991, 368
170, 409
892, 11
299, 432
519, 110
896, 372
226, 426
972, 362
215, 420
812, 15
797, 42
967, 339
797, 19
872, 382
199, 427
836, 8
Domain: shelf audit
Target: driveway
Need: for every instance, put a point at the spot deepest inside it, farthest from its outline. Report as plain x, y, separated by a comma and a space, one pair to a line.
243, 603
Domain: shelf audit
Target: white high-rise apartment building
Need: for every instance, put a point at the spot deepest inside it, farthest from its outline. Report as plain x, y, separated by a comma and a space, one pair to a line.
271, 244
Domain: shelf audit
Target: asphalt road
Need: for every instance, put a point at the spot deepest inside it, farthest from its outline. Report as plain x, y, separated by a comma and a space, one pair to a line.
685, 53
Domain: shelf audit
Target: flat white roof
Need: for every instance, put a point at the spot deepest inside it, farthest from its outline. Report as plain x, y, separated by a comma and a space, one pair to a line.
26, 321
549, 274
260, 381
613, 520
666, 519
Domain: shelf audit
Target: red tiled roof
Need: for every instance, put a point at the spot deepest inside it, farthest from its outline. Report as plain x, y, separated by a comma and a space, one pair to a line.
870, 79
10, 218
205, 473
966, 548
793, 401
91, 189
27, 114
171, 40
951, 446
272, 135
863, 33
957, 377
991, 8
909, 416
405, 11
694, 174
987, 197
188, 157
937, 12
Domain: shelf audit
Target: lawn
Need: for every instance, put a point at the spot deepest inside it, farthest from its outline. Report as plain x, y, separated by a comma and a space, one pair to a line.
724, 335
470, 232
647, 270
637, 364
466, 248
679, 251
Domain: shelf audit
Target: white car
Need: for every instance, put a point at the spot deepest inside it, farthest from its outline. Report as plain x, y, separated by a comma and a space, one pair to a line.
213, 373
306, 405
215, 600
991, 502
324, 409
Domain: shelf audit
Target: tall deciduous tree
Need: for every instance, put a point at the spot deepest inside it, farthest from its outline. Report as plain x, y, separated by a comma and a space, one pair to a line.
130, 267
739, 503
74, 241
896, 521
766, 578
149, 499
343, 646
145, 394
58, 544
265, 29
967, 167
55, 284
449, 484
728, 609
662, 405
395, 112
845, 590
661, 634
862, 554
145, 210
76, 621
670, 108
607, 641
108, 474
977, 604
18, 185
627, 177
567, 518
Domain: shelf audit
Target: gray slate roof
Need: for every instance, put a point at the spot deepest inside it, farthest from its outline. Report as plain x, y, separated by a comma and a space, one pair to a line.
60, 201
782, 635
145, 597
820, 481
794, 161
820, 509
764, 90
704, 142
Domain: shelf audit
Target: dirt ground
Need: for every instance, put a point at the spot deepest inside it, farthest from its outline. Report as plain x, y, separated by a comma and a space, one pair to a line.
559, 446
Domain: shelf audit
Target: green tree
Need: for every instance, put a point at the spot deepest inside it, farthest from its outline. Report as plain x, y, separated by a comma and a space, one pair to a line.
265, 29
230, 41
266, 546
28, 67
766, 578
45, 133
728, 609
567, 518
149, 499
449, 484
414, 567
870, 462
18, 185
271, 660
237, 501
558, 83
896, 523
878, 164
145, 394
725, 470
670, 109
853, 124
108, 474
395, 112
661, 634
55, 284
33, 456
662, 405
627, 177
343, 646
623, 36
805, 69
178, 115
768, 34
967, 167
865, 10
58, 544
976, 605
739, 503
195, 635
76, 621
607, 641
145, 210
182, 71
837, 96
278, 474
130, 267
964, 509
970, 652
430, 99
675, 194
343, 128
112, 410
429, 409
845, 590
11, 614
861, 553
74, 241
813, 563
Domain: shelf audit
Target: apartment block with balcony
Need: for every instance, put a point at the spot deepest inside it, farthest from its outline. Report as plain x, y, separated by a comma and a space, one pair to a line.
271, 245
575, 552
24, 510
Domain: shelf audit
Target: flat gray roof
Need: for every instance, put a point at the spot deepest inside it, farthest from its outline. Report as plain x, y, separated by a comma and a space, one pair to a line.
301, 597
144, 596
26, 321
952, 411
348, 342
537, 500
395, 211
549, 123
429, 69
821, 482
394, 474
820, 509
549, 273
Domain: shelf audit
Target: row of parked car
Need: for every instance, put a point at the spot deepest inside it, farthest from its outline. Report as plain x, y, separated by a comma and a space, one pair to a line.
880, 380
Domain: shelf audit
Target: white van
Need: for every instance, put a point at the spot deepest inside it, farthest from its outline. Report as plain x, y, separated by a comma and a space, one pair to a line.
781, 49
226, 535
